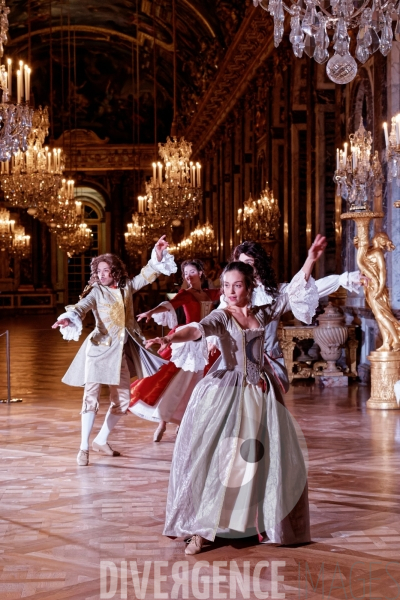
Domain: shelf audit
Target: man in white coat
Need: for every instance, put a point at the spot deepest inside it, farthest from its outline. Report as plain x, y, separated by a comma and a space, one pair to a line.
114, 351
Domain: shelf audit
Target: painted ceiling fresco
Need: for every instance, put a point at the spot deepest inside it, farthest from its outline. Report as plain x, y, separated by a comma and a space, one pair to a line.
105, 55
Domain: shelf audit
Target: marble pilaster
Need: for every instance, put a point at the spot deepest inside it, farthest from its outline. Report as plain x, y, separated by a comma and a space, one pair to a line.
393, 191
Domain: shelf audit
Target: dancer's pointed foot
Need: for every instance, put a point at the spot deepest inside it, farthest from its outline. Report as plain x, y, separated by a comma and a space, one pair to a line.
159, 432
195, 545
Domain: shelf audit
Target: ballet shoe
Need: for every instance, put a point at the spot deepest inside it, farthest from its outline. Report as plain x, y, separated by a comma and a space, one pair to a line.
83, 458
195, 545
105, 449
159, 432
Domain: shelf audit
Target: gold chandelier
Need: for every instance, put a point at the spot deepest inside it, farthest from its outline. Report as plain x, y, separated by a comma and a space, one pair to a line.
175, 187
203, 239
21, 243
146, 228
76, 241
12, 237
29, 178
258, 220
200, 243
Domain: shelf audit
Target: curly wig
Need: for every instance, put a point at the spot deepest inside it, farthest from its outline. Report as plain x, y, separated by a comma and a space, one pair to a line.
262, 264
118, 269
246, 270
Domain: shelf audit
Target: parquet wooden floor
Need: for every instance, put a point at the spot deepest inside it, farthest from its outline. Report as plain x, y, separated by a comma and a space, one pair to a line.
59, 523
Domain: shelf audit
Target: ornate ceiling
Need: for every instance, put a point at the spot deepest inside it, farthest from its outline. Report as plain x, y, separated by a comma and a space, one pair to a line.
103, 59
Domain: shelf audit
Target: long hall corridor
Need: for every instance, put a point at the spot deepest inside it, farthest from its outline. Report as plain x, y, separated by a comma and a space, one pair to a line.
60, 521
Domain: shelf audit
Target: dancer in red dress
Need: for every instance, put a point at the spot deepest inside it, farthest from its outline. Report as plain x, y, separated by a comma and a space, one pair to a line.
163, 397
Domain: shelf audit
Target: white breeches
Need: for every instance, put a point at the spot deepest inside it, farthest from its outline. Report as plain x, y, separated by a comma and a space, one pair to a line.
119, 394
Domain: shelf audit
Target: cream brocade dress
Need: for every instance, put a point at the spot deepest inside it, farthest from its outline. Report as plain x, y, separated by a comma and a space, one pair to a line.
237, 462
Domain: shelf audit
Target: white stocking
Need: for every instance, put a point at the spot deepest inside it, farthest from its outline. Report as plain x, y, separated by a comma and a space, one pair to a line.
109, 423
87, 420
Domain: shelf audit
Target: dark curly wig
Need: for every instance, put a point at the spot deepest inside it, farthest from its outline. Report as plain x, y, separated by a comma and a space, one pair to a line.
246, 270
262, 264
118, 269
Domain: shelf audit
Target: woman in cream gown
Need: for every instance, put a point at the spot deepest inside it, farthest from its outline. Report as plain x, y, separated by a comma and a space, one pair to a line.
237, 463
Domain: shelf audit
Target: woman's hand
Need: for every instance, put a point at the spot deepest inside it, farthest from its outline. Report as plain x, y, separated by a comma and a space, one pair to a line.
61, 324
212, 348
160, 246
145, 315
317, 247
164, 342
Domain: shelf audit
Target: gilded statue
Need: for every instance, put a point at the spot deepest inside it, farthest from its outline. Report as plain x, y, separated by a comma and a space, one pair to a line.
371, 262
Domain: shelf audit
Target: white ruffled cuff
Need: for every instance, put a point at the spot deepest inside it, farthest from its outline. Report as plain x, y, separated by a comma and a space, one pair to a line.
191, 356
74, 330
166, 266
167, 318
350, 281
303, 297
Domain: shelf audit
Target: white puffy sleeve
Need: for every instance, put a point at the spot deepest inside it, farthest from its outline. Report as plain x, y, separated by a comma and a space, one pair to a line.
193, 356
154, 267
303, 297
348, 280
167, 318
74, 329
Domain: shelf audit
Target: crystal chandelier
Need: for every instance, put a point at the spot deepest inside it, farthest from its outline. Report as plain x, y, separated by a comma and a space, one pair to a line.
358, 173
146, 228
16, 119
311, 20
30, 177
62, 212
6, 230
183, 249
21, 247
203, 241
175, 187
76, 241
135, 237
259, 219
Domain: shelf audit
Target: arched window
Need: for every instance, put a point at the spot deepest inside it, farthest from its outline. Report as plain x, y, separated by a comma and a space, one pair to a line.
78, 267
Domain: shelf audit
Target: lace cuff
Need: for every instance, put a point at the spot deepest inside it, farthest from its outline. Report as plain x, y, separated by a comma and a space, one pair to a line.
74, 330
350, 281
303, 297
191, 356
168, 318
167, 264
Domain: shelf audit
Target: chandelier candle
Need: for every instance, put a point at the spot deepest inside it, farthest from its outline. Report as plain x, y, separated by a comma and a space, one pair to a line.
9, 65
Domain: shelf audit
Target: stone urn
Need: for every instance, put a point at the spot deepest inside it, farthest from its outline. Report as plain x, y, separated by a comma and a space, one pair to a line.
330, 335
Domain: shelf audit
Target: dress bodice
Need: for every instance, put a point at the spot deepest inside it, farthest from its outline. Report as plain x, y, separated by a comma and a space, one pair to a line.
241, 349
194, 309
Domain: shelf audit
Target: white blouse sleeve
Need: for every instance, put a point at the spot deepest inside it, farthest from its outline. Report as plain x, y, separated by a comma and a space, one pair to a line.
167, 318
166, 265
74, 329
303, 297
329, 285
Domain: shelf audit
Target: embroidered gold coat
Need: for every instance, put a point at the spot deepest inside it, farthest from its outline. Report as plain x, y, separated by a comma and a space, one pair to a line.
99, 358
